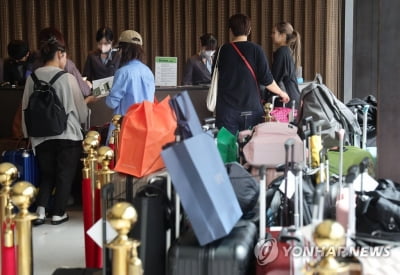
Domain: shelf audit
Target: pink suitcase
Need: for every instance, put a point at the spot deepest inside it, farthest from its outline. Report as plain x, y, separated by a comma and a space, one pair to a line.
266, 145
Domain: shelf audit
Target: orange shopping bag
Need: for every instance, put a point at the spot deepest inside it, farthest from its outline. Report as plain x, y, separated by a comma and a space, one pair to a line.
145, 129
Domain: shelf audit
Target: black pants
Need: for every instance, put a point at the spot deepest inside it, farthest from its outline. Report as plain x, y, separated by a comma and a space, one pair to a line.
235, 121
58, 163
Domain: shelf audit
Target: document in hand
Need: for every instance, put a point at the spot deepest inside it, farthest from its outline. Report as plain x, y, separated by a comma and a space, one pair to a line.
102, 87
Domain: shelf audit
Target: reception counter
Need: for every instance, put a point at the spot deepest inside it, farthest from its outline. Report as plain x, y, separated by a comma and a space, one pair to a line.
101, 114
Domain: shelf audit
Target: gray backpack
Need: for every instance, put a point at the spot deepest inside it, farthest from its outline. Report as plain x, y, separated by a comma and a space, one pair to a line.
322, 105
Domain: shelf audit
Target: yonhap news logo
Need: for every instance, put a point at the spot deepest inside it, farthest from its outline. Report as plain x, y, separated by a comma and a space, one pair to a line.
266, 251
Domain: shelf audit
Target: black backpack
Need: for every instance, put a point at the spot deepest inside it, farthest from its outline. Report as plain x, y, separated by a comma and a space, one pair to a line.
45, 115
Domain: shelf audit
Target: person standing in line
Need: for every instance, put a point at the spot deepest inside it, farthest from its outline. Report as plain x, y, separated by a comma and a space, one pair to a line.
133, 81
104, 61
239, 99
286, 60
58, 156
84, 85
198, 67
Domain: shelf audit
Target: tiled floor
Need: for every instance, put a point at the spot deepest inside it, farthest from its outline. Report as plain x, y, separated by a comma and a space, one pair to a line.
58, 245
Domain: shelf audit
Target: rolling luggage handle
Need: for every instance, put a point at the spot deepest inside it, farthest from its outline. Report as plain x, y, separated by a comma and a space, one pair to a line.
289, 148
351, 220
364, 130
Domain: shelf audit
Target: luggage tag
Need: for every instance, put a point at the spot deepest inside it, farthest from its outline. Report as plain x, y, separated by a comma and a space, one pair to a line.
291, 180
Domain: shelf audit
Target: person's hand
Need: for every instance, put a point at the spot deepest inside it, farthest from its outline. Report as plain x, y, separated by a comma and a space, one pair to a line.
89, 84
90, 99
284, 97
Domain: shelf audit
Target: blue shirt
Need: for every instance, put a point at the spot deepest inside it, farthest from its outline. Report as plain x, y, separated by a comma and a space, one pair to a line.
133, 83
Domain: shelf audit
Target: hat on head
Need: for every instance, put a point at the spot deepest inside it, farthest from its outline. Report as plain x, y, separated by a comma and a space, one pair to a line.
130, 36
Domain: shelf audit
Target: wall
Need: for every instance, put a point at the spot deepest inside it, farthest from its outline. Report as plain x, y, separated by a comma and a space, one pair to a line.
365, 61
388, 90
173, 28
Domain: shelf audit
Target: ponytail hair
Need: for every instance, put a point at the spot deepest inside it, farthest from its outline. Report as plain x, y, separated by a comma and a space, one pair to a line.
293, 40
295, 45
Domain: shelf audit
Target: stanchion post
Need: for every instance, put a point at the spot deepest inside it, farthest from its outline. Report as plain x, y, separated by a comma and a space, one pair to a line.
8, 174
22, 195
124, 250
116, 121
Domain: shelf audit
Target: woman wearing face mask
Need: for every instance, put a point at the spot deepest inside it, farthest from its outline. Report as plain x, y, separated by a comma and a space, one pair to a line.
104, 61
198, 67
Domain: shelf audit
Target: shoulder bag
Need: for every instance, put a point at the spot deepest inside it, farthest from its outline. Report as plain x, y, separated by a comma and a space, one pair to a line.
213, 90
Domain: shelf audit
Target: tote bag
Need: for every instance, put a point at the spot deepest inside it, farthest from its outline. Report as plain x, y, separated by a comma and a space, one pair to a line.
201, 180
145, 129
213, 90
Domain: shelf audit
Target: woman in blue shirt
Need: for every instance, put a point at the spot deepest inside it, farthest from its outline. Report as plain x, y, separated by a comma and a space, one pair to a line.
133, 81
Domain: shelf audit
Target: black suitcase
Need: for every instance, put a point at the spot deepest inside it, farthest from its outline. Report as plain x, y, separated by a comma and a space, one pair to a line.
77, 271
152, 204
231, 255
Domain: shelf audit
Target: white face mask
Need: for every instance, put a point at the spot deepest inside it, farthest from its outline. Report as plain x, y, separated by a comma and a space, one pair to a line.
209, 53
105, 48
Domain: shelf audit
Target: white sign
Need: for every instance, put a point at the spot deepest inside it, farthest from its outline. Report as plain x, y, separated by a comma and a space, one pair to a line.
166, 71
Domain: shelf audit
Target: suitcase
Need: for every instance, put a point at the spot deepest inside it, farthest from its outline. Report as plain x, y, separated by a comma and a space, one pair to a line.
231, 255
273, 242
351, 156
26, 163
266, 145
153, 205
77, 271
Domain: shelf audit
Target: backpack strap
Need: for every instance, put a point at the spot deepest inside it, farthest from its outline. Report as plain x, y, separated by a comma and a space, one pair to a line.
34, 78
51, 82
56, 76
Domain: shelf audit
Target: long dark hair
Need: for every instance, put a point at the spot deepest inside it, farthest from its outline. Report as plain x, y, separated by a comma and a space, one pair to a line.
130, 51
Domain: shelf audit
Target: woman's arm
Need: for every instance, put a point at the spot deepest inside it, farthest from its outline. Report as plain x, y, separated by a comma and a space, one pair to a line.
274, 88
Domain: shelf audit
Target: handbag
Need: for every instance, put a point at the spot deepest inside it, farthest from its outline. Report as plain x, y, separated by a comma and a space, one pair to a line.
379, 210
145, 129
227, 145
201, 180
213, 90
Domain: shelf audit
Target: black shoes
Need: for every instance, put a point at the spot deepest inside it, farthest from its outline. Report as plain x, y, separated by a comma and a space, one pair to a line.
55, 220
38, 221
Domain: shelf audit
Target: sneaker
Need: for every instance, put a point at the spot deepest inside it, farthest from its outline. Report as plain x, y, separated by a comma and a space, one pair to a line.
55, 220
41, 212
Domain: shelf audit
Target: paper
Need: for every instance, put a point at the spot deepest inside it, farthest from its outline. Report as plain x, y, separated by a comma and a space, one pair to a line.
96, 232
291, 185
102, 87
166, 71
369, 183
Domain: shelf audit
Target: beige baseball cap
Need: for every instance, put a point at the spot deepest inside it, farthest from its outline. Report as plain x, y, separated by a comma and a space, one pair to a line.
131, 36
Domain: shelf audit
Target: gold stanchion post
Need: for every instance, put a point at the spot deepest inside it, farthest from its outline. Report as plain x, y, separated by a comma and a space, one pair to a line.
124, 255
8, 174
90, 145
116, 121
22, 195
104, 156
